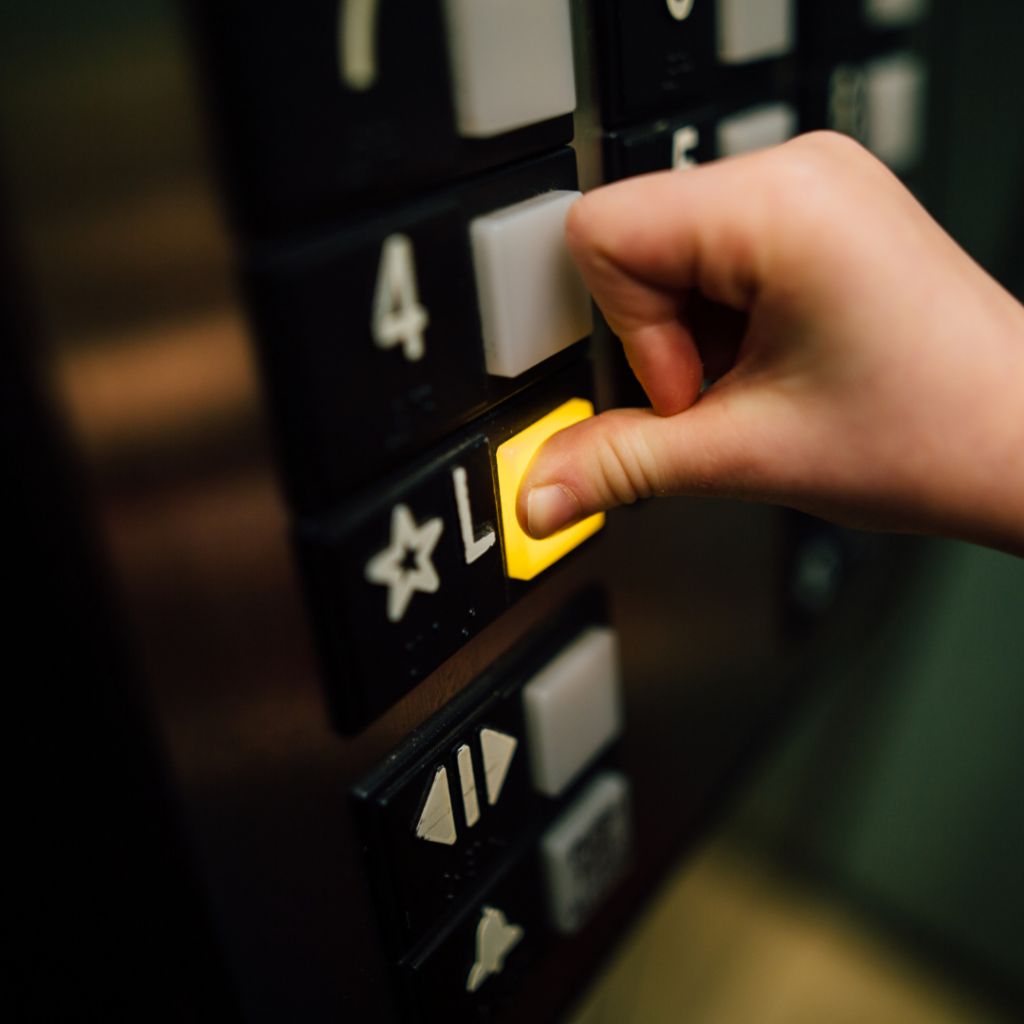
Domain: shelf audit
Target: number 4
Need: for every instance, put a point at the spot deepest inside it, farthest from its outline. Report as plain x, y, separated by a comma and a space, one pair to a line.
398, 317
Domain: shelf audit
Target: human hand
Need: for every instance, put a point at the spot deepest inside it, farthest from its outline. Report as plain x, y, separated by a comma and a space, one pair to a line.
869, 371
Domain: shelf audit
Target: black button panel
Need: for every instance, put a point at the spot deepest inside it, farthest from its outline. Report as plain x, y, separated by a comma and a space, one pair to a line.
424, 856
370, 333
395, 588
451, 824
303, 139
477, 962
434, 861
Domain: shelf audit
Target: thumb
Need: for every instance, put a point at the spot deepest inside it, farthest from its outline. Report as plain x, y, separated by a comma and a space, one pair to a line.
717, 447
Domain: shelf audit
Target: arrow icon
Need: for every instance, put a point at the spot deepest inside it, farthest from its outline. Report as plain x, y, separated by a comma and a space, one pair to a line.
498, 749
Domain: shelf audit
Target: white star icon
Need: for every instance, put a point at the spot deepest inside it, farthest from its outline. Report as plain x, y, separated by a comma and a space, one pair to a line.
391, 567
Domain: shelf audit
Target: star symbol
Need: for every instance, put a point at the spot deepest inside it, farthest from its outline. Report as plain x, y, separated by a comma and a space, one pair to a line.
404, 566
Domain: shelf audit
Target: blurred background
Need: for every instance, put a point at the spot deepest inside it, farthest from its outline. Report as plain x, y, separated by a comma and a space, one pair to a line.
871, 867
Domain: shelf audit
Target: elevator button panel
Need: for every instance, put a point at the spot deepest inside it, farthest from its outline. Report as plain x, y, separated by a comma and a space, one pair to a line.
526, 557
512, 63
370, 331
586, 851
533, 302
573, 710
328, 107
704, 133
473, 870
399, 176
407, 572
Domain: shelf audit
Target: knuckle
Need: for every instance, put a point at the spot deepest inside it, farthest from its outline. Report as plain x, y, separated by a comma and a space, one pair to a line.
627, 469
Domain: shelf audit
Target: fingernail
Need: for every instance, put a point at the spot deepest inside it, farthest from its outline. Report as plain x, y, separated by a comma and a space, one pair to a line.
549, 508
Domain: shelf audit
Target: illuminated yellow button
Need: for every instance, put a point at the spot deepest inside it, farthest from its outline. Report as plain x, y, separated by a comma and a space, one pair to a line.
524, 556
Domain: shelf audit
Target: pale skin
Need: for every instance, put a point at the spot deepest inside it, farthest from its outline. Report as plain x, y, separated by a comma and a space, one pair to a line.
868, 370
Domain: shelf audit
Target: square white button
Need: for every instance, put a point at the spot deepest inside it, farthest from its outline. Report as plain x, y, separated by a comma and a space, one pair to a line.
511, 63
756, 128
533, 302
573, 709
895, 90
587, 851
750, 30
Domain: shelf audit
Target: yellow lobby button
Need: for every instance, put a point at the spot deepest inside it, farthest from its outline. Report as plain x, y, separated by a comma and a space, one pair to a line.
524, 556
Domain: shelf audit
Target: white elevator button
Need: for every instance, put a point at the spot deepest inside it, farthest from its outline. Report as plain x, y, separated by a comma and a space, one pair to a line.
750, 30
755, 128
511, 63
533, 302
573, 709
895, 87
587, 851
